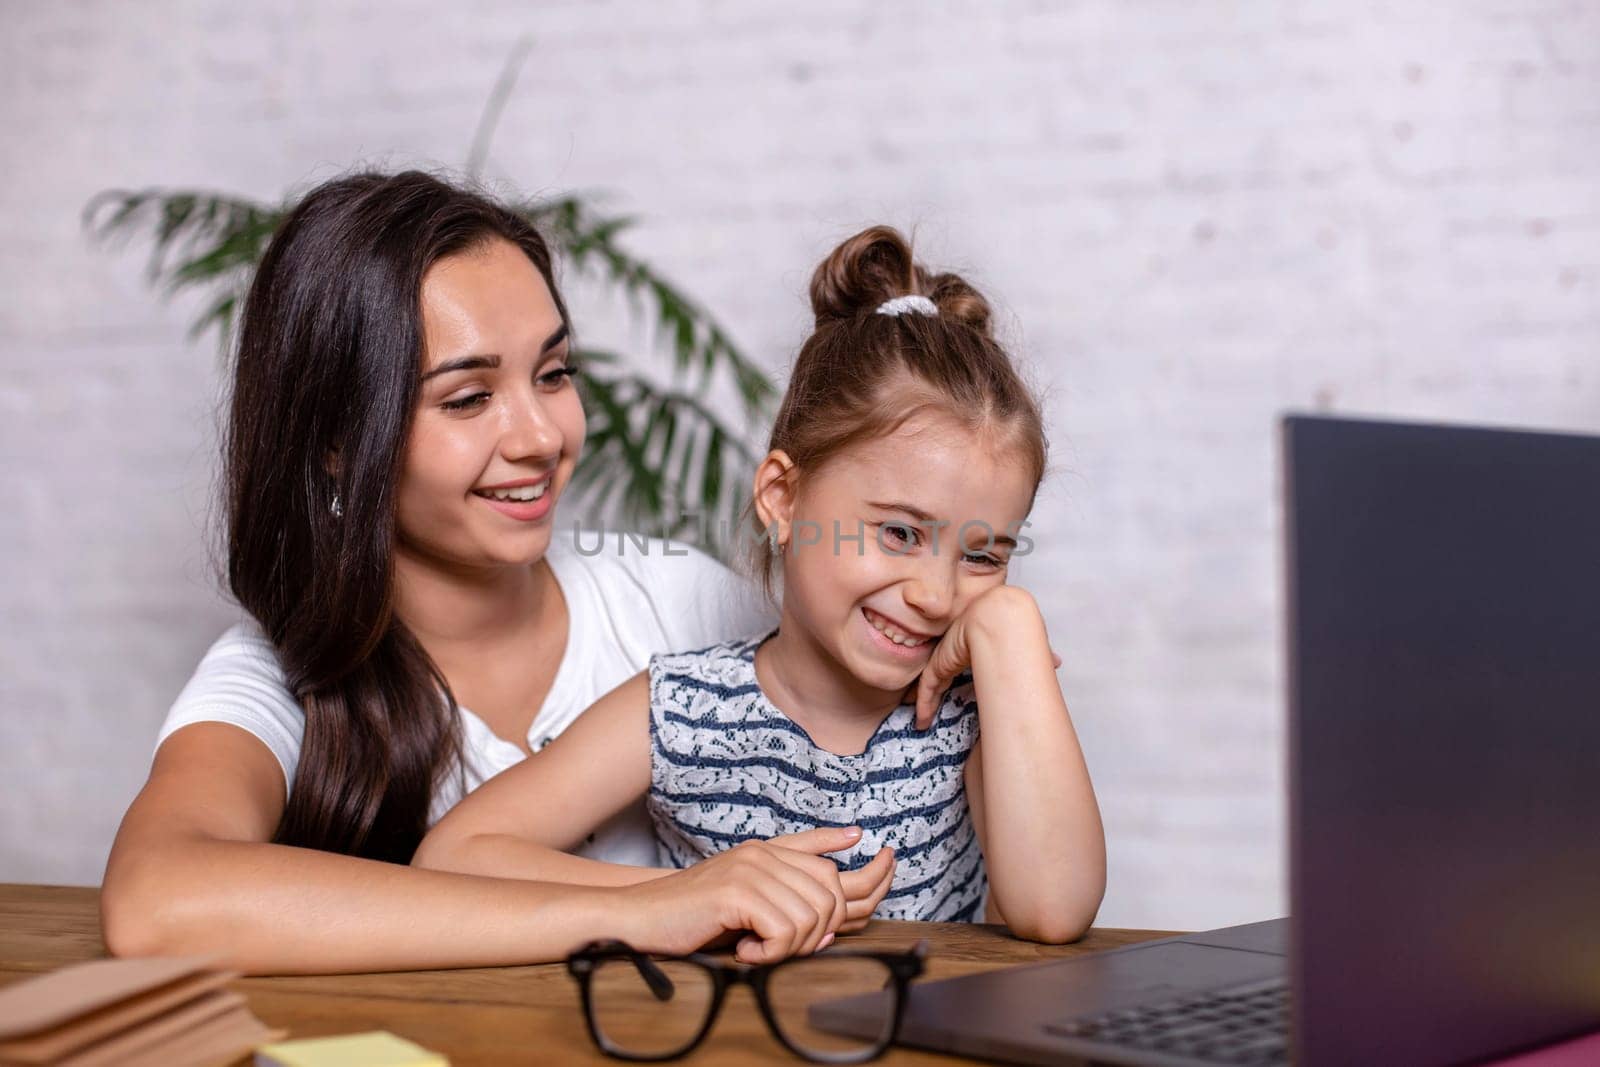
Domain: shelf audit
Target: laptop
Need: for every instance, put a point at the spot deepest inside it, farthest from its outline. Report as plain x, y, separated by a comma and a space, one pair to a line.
1444, 775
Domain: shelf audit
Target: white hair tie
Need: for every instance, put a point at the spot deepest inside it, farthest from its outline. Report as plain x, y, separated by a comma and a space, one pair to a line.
902, 304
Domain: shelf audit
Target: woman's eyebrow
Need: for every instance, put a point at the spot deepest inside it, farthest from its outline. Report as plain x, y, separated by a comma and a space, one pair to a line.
491, 362
554, 339
462, 363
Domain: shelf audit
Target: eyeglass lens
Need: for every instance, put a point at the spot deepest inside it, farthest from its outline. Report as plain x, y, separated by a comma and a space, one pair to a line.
636, 1020
798, 986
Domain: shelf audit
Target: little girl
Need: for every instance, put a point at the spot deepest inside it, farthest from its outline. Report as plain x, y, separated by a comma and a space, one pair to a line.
907, 691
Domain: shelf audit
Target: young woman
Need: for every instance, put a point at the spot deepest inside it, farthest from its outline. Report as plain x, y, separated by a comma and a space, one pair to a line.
403, 423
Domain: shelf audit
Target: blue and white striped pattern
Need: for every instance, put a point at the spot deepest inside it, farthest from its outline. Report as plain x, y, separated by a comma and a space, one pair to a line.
728, 766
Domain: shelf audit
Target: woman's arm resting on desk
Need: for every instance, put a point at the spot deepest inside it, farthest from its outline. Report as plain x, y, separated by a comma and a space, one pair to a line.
193, 872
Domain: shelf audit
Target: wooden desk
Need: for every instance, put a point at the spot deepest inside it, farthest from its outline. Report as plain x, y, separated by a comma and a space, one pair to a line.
497, 1015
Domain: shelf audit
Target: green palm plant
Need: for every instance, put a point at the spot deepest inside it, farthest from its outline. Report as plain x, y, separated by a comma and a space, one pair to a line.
657, 459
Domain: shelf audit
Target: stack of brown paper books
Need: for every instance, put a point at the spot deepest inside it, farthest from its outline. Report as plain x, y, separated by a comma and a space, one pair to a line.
131, 1013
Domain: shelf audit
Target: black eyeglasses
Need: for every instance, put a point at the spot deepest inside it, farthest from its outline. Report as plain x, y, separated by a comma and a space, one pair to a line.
640, 1008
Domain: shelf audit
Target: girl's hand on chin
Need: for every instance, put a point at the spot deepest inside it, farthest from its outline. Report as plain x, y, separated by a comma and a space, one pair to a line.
783, 896
1003, 612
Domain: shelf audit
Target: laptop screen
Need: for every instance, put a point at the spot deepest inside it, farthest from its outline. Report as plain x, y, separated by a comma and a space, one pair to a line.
1444, 697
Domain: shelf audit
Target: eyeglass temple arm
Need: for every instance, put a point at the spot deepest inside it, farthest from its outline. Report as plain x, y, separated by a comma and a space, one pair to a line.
654, 976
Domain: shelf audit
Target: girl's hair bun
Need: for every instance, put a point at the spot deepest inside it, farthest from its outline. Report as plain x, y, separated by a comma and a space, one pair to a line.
873, 266
957, 300
877, 265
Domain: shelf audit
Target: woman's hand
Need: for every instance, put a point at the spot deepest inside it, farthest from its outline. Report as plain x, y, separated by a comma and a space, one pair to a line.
1003, 609
788, 897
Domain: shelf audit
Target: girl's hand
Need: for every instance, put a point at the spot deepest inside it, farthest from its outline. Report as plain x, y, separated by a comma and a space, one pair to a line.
865, 888
790, 901
1001, 610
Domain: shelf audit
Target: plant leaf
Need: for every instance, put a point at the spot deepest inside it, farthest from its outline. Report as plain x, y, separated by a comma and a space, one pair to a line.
206, 241
700, 347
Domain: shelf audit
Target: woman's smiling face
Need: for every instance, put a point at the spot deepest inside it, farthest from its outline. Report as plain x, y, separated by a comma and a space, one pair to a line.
499, 427
938, 507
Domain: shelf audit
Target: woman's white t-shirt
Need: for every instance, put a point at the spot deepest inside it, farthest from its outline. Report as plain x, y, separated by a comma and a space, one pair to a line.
631, 598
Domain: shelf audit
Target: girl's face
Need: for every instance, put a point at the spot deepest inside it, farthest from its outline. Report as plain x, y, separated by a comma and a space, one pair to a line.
499, 427
938, 509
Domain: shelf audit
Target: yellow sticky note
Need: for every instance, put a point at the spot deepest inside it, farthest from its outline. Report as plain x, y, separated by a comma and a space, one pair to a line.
376, 1049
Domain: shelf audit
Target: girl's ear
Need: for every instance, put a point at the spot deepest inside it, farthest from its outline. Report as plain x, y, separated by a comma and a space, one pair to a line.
774, 494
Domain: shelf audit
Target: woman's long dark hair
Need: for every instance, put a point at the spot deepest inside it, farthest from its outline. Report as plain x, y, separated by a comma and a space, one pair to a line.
324, 389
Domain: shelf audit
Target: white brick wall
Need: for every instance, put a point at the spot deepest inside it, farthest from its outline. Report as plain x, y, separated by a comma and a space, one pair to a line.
1195, 215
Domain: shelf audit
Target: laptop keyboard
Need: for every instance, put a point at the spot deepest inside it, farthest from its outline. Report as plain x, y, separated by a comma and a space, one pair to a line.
1242, 1025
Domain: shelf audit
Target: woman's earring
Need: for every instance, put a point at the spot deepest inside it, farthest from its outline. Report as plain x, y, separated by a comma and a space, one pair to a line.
335, 507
